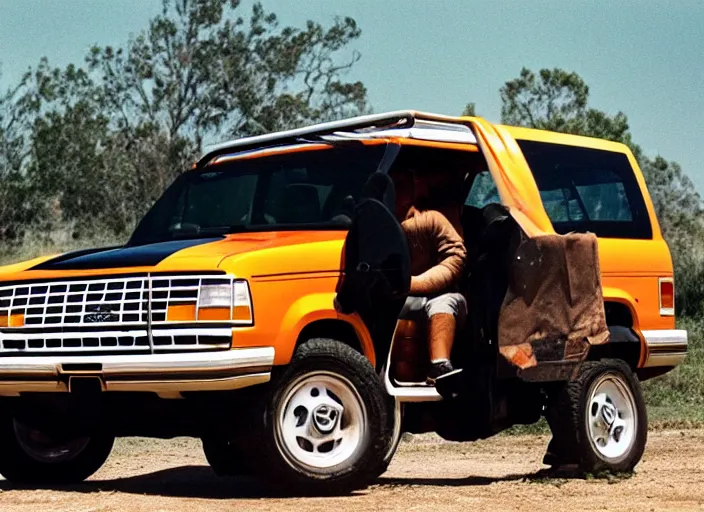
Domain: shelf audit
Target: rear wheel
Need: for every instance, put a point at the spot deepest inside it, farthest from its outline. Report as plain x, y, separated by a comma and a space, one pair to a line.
326, 428
29, 456
599, 420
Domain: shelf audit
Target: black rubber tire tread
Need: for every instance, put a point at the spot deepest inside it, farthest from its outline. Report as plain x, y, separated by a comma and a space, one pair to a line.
21, 469
566, 415
394, 440
336, 357
225, 458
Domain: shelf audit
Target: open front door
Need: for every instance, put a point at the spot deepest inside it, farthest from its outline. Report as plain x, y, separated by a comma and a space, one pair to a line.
376, 264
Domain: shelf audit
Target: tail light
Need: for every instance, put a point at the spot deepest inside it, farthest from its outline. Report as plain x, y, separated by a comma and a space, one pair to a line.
667, 296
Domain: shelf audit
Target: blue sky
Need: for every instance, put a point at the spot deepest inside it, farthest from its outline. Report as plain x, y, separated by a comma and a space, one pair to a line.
644, 57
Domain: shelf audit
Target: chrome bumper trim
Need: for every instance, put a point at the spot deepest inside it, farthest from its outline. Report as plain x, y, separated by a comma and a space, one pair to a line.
224, 332
158, 373
665, 347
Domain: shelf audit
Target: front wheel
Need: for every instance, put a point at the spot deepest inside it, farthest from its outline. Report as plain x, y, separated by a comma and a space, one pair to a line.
396, 433
29, 456
599, 420
326, 429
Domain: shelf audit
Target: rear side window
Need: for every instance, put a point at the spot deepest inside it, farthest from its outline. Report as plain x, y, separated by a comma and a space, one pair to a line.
588, 190
483, 191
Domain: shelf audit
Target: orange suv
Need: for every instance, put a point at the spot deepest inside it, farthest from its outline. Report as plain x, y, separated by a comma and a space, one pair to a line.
257, 306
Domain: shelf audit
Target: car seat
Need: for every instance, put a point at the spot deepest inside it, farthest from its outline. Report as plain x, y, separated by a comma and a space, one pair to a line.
299, 204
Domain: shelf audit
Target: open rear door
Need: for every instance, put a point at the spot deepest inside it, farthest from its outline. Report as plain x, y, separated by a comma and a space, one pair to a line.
376, 264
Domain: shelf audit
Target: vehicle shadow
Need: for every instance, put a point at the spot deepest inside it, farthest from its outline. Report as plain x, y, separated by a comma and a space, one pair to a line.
178, 482
543, 475
201, 482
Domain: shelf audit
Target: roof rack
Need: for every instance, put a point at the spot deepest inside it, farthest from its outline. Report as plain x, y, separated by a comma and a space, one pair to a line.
402, 123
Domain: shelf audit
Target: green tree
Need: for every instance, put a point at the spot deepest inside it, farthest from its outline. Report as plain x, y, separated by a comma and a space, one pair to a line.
201, 70
103, 141
469, 110
557, 100
16, 112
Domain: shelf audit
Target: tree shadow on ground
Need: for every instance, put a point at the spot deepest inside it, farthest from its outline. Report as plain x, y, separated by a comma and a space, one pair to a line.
201, 482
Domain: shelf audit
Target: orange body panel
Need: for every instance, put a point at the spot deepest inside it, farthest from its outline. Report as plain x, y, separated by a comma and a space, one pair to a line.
293, 275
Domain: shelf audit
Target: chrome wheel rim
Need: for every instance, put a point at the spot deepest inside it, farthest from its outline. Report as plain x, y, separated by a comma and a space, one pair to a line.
321, 422
611, 418
42, 448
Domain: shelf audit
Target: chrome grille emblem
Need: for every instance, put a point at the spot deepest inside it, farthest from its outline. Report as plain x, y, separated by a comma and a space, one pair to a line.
100, 313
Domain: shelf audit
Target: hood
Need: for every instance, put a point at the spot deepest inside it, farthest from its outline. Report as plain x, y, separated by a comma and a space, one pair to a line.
202, 254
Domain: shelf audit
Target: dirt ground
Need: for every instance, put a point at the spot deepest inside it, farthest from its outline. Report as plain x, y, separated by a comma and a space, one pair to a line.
426, 474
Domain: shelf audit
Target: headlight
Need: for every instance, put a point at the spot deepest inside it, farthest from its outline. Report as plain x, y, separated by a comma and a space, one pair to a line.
226, 301
215, 296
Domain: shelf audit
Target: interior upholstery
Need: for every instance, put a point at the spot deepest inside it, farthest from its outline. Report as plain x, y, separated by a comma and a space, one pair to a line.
299, 204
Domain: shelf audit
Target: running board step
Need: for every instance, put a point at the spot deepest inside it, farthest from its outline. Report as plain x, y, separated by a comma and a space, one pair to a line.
414, 394
410, 393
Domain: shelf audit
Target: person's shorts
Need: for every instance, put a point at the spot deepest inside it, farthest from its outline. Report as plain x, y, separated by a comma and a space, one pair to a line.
451, 303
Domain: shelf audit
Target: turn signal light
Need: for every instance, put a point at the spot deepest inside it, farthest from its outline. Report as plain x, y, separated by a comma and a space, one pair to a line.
214, 314
181, 313
13, 320
667, 296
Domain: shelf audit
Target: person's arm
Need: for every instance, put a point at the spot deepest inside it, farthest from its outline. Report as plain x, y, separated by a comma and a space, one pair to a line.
451, 256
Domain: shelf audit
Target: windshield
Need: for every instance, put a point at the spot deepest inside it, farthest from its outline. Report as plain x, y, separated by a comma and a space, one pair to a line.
309, 189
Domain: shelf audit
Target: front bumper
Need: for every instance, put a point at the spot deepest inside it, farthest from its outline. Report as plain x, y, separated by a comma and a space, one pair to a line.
665, 347
167, 374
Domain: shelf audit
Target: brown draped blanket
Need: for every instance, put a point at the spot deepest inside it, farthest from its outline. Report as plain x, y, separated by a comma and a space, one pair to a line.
553, 309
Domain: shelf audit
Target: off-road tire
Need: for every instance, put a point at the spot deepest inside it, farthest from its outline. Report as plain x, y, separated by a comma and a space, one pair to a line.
20, 468
279, 470
567, 417
395, 416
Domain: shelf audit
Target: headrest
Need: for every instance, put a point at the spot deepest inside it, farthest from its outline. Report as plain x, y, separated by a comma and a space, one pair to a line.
379, 186
299, 204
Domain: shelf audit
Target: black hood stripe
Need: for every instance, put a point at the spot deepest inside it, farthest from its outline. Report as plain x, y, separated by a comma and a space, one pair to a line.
119, 257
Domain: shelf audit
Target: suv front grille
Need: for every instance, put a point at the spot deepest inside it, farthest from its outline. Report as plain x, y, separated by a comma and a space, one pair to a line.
105, 314
75, 303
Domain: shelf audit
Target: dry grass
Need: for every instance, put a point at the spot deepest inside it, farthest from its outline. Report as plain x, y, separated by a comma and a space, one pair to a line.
35, 245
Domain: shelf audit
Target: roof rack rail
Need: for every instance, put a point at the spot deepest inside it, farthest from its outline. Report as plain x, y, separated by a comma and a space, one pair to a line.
387, 124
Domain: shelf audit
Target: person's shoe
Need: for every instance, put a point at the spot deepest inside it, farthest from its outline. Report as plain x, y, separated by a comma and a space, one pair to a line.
440, 370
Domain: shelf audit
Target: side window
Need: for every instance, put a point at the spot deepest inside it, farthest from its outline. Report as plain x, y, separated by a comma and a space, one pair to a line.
606, 200
588, 190
483, 191
317, 188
